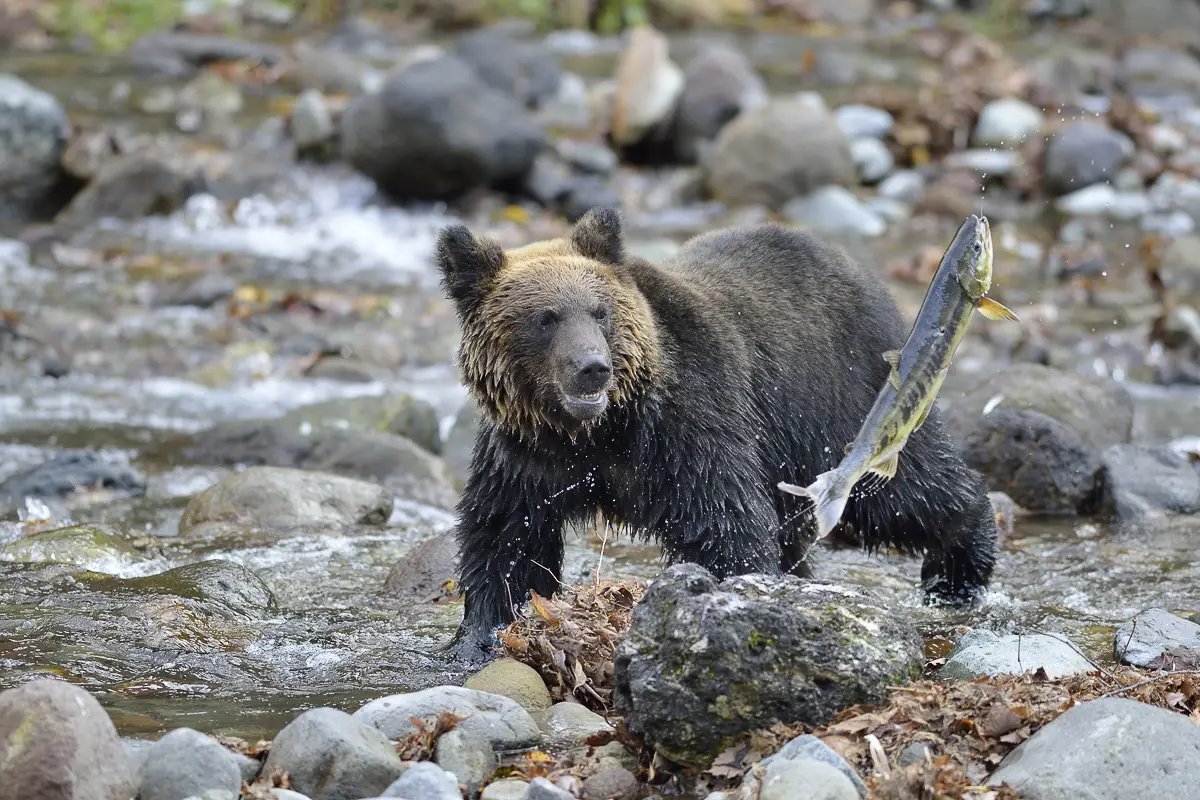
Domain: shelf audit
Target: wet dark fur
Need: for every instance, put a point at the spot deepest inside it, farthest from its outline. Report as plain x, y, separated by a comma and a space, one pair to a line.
771, 345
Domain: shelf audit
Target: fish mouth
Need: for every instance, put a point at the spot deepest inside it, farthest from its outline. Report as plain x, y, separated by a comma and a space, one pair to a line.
585, 406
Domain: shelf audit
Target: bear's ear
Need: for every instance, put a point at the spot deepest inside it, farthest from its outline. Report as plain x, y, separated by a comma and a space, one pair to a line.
467, 263
598, 236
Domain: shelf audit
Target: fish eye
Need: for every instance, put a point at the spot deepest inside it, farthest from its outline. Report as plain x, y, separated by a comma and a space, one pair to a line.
978, 248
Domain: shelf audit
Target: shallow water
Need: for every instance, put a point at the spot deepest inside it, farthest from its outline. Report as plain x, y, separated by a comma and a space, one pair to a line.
145, 373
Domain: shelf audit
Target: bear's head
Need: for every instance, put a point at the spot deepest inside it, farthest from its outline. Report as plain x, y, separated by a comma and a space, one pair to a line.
553, 333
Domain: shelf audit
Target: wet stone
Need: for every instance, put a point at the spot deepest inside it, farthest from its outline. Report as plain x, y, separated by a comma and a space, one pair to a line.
1156, 639
719, 84
427, 781
467, 756
1143, 485
1084, 153
511, 678
422, 572
1007, 122
75, 471
983, 652
501, 720
542, 789
506, 789
33, 135
610, 783
834, 210
185, 763
79, 546
567, 724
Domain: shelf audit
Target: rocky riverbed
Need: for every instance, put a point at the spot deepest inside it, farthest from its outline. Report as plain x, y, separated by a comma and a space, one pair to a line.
231, 432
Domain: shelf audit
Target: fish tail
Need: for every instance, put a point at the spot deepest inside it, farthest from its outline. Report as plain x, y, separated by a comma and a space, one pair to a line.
829, 493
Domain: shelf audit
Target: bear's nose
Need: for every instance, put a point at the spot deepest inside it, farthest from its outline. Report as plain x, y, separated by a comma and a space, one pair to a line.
592, 372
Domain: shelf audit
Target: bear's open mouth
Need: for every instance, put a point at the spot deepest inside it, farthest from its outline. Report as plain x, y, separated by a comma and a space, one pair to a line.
585, 406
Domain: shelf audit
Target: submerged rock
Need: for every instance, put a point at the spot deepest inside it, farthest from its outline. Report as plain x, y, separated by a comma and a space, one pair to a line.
744, 165
277, 498
185, 763
422, 572
332, 756
512, 679
1113, 748
704, 661
58, 744
79, 546
1143, 485
501, 720
436, 130
983, 652
1156, 639
75, 471
33, 135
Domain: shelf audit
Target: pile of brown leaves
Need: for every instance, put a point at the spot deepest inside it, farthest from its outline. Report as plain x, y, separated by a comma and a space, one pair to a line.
967, 726
570, 638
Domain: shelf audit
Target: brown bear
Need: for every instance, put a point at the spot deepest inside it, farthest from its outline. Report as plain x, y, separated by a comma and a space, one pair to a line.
673, 398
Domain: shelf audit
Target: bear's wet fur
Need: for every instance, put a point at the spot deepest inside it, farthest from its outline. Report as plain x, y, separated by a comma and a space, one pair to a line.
750, 357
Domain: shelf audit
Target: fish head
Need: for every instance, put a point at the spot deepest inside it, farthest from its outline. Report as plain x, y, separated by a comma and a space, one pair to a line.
972, 254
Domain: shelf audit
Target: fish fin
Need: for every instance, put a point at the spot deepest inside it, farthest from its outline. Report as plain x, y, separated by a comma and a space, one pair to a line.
995, 310
892, 357
887, 469
829, 495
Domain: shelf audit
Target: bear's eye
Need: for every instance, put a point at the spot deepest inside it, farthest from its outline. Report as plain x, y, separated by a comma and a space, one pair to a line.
546, 319
600, 314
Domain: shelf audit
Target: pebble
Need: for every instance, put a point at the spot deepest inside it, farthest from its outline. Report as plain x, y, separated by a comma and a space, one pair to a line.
872, 159
468, 756
566, 724
834, 209
807, 779
983, 652
1007, 122
1103, 200
861, 121
426, 781
330, 754
610, 783
994, 163
186, 762
312, 124
906, 185
1157, 639
501, 720
506, 789
1084, 153
542, 789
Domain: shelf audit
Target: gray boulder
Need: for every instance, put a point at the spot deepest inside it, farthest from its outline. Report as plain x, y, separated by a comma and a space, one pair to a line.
719, 83
436, 131
33, 135
1143, 485
1041, 463
332, 756
705, 661
131, 187
568, 724
1156, 639
420, 573
1084, 153
983, 652
185, 763
467, 756
426, 781
58, 744
785, 149
859, 121
501, 720
526, 70
1112, 748
790, 772
1007, 122
612, 782
277, 498
80, 470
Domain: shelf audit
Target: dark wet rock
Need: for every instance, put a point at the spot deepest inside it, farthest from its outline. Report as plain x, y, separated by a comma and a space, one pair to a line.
1159, 71
1007, 122
435, 131
568, 724
178, 53
1143, 484
542, 789
719, 84
400, 414
79, 546
705, 660
834, 210
527, 70
1041, 463
1156, 639
133, 187
394, 461
744, 165
421, 573
313, 129
275, 497
1084, 153
872, 159
983, 652
33, 136
213, 582
859, 121
467, 756
185, 763
58, 744
76, 471
610, 783
1113, 748
1100, 410
333, 756
588, 192
649, 86
427, 781
512, 679
502, 721
505, 789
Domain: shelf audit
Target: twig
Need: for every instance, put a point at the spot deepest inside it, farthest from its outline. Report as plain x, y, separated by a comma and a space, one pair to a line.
1148, 681
1082, 654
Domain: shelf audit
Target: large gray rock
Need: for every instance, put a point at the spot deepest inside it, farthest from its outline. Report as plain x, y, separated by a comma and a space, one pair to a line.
332, 756
1041, 463
468, 756
1156, 639
427, 781
568, 724
1112, 748
501, 720
783, 150
1084, 153
394, 461
278, 498
719, 84
983, 652
705, 661
73, 471
789, 774
133, 186
33, 135
511, 678
526, 70
1144, 485
421, 573
185, 763
436, 131
56, 743
80, 546
400, 414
